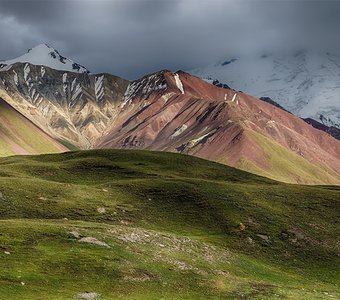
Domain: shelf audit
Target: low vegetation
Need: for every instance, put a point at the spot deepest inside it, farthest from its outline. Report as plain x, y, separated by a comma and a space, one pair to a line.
115, 224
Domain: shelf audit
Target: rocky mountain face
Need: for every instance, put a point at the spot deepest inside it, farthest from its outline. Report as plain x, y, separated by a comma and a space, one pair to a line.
175, 112
179, 112
18, 135
333, 131
75, 107
305, 83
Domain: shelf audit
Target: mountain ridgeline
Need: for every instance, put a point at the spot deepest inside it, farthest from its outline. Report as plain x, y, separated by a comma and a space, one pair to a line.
306, 83
166, 111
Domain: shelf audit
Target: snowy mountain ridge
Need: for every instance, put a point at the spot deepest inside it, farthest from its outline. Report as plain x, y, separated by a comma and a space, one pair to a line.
305, 83
44, 55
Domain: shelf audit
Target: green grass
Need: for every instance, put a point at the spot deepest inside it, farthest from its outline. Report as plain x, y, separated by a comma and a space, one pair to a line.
287, 166
171, 224
22, 132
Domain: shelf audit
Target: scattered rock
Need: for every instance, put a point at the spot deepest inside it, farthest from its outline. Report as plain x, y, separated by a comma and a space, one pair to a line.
75, 233
264, 237
137, 275
88, 296
105, 190
43, 198
250, 240
22, 283
101, 210
284, 235
8, 253
242, 227
92, 240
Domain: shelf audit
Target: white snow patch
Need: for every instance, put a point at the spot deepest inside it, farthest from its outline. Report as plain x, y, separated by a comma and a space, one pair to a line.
42, 71
46, 56
16, 78
144, 87
179, 83
196, 141
99, 88
179, 130
64, 77
76, 93
64, 82
73, 84
27, 71
234, 97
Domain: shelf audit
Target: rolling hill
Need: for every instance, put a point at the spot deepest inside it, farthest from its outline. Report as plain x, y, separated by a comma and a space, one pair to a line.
110, 224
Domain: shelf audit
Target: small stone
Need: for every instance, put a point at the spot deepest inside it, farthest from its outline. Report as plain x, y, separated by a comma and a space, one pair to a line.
242, 227
76, 234
88, 296
284, 235
264, 237
92, 240
22, 283
250, 240
105, 190
6, 252
101, 210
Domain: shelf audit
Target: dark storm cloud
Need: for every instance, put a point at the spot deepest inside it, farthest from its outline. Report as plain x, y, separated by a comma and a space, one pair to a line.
133, 37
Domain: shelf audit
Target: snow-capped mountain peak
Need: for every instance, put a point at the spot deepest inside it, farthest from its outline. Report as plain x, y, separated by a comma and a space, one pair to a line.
45, 55
306, 83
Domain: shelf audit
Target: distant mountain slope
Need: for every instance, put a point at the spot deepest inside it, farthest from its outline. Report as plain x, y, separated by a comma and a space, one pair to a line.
46, 56
333, 131
18, 135
181, 113
175, 112
150, 225
305, 83
70, 106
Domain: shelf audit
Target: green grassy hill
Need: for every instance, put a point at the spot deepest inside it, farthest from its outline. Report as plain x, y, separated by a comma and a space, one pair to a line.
114, 224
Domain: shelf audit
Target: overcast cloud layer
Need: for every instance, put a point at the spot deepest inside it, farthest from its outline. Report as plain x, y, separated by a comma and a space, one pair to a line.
132, 37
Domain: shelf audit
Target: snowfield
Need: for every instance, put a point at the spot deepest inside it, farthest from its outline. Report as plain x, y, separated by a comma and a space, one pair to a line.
46, 56
305, 83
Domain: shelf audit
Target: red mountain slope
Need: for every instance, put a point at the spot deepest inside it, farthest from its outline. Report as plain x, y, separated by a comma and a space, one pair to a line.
182, 113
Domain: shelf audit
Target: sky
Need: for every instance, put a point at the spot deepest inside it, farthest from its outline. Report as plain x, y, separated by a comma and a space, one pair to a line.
131, 38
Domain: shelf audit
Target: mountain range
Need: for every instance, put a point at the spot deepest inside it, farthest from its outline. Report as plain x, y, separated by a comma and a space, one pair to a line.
306, 83
166, 111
